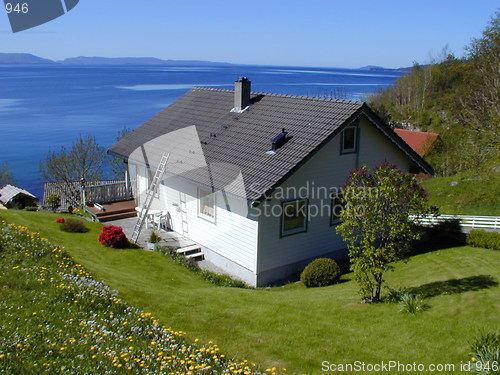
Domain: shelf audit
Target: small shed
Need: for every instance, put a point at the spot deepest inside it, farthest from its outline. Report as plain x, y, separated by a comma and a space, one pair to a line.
14, 197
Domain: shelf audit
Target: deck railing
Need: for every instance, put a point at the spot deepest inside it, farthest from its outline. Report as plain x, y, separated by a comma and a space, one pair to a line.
95, 191
108, 192
484, 222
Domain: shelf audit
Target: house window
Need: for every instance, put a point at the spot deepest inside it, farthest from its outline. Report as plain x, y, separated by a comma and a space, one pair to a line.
337, 208
206, 204
294, 217
349, 140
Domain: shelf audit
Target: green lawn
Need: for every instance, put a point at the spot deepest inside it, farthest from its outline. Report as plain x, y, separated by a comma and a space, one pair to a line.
55, 318
295, 327
467, 193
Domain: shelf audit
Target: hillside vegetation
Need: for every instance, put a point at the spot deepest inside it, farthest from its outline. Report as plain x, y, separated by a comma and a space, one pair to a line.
466, 193
292, 327
459, 98
55, 318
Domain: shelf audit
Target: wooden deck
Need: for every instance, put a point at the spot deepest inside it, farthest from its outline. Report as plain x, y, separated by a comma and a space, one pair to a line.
95, 191
113, 211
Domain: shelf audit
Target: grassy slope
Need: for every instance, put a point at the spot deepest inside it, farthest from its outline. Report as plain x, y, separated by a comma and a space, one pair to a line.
474, 194
295, 327
55, 319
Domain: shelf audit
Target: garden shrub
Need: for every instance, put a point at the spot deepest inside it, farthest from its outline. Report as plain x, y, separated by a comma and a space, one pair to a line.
481, 238
154, 238
486, 339
53, 201
321, 272
412, 303
222, 280
192, 265
74, 226
485, 353
395, 294
113, 237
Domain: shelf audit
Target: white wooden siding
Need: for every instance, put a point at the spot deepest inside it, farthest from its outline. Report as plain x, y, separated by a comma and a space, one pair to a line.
236, 235
374, 147
233, 234
327, 168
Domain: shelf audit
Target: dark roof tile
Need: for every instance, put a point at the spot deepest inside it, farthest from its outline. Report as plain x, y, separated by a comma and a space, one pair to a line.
243, 139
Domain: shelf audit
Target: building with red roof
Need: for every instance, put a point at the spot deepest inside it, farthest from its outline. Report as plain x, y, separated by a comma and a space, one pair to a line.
420, 142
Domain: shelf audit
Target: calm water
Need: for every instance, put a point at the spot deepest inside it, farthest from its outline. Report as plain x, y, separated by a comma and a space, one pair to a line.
45, 107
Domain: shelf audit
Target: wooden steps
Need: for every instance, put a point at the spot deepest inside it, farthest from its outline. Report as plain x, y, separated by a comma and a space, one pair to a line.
116, 216
112, 211
191, 252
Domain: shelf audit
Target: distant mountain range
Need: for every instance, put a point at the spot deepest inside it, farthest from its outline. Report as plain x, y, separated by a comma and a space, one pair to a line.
27, 58
22, 58
83, 60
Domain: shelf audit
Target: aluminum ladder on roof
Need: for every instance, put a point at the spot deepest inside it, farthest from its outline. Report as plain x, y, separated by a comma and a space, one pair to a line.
149, 197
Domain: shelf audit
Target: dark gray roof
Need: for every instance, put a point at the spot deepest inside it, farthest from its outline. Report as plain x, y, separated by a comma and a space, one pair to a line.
8, 192
242, 139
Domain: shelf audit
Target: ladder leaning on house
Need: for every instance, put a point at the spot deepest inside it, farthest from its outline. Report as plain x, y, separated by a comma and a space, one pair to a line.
143, 213
183, 210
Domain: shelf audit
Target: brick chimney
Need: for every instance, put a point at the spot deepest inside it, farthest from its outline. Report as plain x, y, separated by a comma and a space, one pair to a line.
241, 94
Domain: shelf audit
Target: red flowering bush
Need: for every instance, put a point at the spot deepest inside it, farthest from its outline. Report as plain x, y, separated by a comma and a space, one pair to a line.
60, 220
113, 236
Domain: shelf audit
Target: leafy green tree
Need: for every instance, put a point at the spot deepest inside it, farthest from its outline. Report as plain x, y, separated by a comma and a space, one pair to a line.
376, 224
118, 167
481, 100
85, 160
5, 176
53, 201
457, 98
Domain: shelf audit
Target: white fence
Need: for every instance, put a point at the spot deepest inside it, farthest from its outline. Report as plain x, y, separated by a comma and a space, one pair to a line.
96, 191
486, 222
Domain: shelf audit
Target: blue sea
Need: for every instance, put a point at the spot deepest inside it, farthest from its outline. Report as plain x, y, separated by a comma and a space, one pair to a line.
45, 107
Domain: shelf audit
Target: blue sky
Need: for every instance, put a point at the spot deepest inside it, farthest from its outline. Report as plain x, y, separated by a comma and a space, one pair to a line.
327, 33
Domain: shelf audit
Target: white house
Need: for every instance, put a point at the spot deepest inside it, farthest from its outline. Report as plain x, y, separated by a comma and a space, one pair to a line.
252, 177
14, 197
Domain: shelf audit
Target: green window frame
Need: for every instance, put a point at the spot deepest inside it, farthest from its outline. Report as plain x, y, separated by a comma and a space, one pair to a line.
336, 209
349, 140
294, 214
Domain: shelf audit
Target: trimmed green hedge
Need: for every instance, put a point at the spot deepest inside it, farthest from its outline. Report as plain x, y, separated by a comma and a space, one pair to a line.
321, 272
481, 238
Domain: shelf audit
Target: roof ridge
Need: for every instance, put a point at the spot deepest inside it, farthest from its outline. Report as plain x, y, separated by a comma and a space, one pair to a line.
304, 97
415, 131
